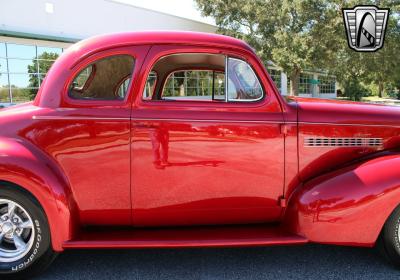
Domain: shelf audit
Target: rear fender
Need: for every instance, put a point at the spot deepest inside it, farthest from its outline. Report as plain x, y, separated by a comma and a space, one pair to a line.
348, 206
22, 164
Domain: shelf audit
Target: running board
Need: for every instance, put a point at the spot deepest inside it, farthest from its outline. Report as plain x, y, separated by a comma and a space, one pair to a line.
217, 236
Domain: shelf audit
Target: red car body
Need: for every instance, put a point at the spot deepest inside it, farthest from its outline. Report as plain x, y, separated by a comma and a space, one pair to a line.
276, 171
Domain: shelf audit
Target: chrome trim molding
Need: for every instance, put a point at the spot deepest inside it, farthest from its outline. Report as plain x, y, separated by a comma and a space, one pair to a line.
346, 124
78, 118
206, 120
150, 119
342, 142
200, 120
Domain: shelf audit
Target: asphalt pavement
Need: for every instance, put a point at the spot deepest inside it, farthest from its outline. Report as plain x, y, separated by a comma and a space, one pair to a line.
292, 262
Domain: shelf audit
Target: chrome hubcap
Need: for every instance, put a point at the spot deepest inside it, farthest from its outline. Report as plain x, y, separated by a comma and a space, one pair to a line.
16, 231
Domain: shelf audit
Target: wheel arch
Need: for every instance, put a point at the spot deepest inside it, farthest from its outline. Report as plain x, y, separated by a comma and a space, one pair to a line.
349, 206
24, 166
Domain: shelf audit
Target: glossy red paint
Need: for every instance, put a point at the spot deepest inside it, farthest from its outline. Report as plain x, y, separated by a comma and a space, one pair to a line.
348, 206
147, 163
206, 148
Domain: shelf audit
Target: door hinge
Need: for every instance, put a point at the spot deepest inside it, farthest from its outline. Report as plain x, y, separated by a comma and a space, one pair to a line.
282, 202
284, 129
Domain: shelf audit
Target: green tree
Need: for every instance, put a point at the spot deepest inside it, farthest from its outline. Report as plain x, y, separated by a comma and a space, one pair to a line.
38, 69
383, 67
295, 34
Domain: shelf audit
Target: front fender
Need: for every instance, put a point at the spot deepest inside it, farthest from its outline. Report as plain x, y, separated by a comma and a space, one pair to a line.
22, 164
349, 206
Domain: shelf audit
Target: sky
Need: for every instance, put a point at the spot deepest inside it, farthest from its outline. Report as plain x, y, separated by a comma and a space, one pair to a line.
182, 8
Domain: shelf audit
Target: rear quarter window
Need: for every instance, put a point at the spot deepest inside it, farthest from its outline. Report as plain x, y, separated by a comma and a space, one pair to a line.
106, 79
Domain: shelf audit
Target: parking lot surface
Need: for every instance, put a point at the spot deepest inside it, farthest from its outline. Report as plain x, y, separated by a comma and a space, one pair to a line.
294, 262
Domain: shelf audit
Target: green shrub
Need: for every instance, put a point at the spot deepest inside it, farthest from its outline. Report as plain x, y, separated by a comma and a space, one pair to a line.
354, 90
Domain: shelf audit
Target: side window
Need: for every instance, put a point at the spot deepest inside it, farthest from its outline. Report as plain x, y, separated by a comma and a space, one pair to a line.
246, 84
195, 85
105, 79
202, 77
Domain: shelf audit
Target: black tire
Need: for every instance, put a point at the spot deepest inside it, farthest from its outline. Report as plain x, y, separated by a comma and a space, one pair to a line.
41, 254
389, 239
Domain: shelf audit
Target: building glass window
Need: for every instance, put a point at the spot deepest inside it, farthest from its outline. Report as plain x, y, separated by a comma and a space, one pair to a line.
326, 84
21, 51
2, 50
42, 50
305, 86
4, 89
3, 65
276, 77
16, 65
22, 70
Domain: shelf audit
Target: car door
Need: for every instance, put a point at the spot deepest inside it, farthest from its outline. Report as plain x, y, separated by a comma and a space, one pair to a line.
212, 158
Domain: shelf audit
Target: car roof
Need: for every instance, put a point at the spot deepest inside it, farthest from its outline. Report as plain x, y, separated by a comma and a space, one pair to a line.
75, 53
163, 37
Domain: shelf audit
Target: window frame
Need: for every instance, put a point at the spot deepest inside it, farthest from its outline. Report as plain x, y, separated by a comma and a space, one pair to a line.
81, 65
307, 77
329, 82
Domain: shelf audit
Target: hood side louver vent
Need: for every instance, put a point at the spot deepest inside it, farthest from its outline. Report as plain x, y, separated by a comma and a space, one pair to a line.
342, 142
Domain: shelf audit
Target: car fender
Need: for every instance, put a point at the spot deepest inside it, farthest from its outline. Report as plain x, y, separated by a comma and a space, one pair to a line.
347, 206
22, 164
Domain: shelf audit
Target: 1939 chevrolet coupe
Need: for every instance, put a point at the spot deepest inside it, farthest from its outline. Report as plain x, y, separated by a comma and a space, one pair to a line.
175, 139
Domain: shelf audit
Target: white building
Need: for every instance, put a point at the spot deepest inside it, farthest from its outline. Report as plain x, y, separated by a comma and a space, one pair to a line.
31, 28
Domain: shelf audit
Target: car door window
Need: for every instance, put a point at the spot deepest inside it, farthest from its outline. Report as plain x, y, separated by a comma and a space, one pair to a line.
243, 84
202, 77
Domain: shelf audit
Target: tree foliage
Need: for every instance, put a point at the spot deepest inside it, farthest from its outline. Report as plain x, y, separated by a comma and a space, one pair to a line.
300, 35
38, 69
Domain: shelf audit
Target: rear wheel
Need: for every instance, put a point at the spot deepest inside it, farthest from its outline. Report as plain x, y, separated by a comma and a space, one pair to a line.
389, 240
25, 244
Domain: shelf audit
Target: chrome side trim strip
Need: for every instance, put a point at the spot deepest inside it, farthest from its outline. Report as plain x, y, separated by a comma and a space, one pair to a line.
347, 124
148, 119
202, 120
78, 118
206, 120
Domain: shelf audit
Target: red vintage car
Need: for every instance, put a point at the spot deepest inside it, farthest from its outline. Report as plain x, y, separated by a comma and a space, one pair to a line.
180, 139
